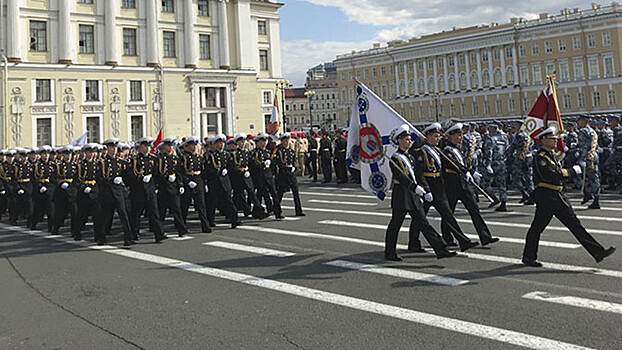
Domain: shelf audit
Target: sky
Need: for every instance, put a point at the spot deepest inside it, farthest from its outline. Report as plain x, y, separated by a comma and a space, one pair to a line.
316, 31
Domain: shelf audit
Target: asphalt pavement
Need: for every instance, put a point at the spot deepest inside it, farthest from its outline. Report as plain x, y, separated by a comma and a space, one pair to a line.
314, 282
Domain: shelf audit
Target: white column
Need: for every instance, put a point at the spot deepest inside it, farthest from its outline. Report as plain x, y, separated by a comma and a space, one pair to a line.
152, 33
397, 79
66, 38
13, 30
490, 72
275, 49
467, 59
456, 72
111, 32
415, 77
223, 30
406, 85
435, 69
515, 65
190, 40
446, 69
425, 76
247, 47
504, 82
479, 70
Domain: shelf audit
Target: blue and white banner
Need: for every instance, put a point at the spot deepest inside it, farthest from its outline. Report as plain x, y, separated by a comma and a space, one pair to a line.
80, 141
370, 140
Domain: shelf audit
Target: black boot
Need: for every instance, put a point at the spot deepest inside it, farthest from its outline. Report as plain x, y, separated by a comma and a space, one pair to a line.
524, 198
595, 204
586, 198
502, 208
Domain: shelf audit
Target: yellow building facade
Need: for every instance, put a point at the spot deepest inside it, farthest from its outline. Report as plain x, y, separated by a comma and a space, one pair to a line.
128, 68
495, 71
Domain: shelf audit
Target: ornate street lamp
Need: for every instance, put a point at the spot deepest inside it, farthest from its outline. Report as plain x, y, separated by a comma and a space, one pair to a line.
310, 94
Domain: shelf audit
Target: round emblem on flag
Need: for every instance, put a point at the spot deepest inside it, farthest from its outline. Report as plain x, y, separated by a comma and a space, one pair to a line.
392, 139
371, 150
355, 154
377, 181
530, 125
363, 104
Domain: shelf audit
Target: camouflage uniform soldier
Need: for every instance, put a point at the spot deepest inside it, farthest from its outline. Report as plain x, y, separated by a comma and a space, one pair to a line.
571, 141
588, 159
613, 166
494, 159
521, 168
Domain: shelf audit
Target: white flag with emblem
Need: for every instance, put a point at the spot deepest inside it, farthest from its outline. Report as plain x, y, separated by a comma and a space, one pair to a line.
370, 140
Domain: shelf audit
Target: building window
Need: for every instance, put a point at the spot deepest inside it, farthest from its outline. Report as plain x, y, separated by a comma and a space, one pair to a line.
374, 72
578, 70
43, 90
564, 72
537, 74
169, 44
287, 108
593, 67
535, 50
137, 127
168, 6
486, 108
508, 52
576, 43
383, 93
524, 75
204, 47
521, 51
526, 105
463, 82
383, 71
267, 98
548, 47
549, 68
263, 59
511, 105
581, 100
486, 78
419, 65
87, 38
475, 108
611, 97
499, 106
91, 91
44, 131
606, 39
509, 76
450, 61
566, 101
136, 90
496, 54
485, 56
430, 63
128, 4
463, 109
38, 36
203, 8
129, 41
591, 41
402, 66
261, 27
608, 66
92, 129
366, 73
473, 57
596, 99
561, 45
498, 78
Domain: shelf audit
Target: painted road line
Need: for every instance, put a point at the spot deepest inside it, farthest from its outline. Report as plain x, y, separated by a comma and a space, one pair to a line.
399, 273
575, 301
291, 219
405, 229
342, 203
333, 194
466, 221
423, 318
484, 257
177, 238
249, 249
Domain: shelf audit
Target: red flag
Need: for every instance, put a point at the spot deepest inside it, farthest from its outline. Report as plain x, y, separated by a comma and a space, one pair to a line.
157, 141
545, 113
273, 127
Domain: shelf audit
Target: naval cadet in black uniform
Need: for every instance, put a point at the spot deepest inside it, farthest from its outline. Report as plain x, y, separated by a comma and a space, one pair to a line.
192, 172
284, 158
261, 168
341, 171
22, 190
87, 201
326, 151
218, 182
65, 191
170, 185
112, 192
406, 198
241, 181
312, 156
43, 191
6, 180
551, 201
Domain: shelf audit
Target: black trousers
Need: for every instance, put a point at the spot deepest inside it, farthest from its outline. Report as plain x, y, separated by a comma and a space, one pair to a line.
196, 197
43, 205
397, 219
86, 207
268, 192
64, 204
340, 167
327, 168
244, 195
172, 202
142, 201
22, 205
286, 183
312, 164
112, 198
551, 203
467, 197
223, 200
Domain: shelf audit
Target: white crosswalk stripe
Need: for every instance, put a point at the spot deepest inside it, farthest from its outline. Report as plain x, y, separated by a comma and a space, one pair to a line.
249, 249
575, 301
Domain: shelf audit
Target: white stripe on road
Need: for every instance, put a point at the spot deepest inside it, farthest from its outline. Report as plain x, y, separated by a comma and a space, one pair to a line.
405, 229
249, 249
485, 257
405, 274
333, 194
432, 320
177, 238
493, 223
575, 301
342, 203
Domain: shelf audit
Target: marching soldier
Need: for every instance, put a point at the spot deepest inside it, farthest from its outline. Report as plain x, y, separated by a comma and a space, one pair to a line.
65, 191
428, 168
302, 147
286, 178
313, 156
520, 150
588, 160
143, 196
43, 191
87, 203
552, 201
112, 192
326, 151
406, 198
6, 178
170, 185
613, 165
218, 182
341, 170
495, 146
261, 167
241, 181
22, 190
192, 168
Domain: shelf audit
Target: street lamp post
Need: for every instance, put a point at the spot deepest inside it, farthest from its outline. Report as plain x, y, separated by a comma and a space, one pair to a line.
310, 94
282, 85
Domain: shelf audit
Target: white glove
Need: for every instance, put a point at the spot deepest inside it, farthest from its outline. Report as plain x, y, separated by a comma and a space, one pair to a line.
192, 185
64, 185
3, 192
293, 170
181, 190
577, 169
420, 190
489, 170
247, 174
469, 177
268, 162
428, 197
117, 180
477, 176
172, 178
224, 172
206, 188
156, 191
87, 190
43, 189
147, 179
20, 191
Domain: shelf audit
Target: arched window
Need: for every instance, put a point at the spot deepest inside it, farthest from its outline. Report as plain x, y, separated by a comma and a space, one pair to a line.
431, 84
411, 87
486, 78
497, 77
402, 91
421, 86
463, 81
474, 80
441, 83
509, 76
452, 82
